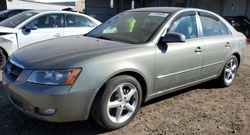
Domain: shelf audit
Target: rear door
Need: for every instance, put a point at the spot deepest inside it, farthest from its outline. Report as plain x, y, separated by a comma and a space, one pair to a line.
49, 26
179, 64
217, 40
77, 24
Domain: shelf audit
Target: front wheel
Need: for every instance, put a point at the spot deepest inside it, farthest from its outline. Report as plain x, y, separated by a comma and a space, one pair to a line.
247, 32
229, 72
118, 103
2, 59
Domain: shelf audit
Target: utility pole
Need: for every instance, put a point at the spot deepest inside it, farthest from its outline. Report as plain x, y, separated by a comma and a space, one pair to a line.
132, 4
188, 3
158, 3
247, 9
3, 5
221, 7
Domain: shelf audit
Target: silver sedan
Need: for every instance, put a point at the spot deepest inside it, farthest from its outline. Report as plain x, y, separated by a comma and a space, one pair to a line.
131, 58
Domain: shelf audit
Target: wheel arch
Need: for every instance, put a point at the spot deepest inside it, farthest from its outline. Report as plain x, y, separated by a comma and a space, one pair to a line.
237, 55
137, 75
139, 78
131, 72
5, 52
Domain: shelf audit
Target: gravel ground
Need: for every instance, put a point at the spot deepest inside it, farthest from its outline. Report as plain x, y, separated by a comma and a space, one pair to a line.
202, 109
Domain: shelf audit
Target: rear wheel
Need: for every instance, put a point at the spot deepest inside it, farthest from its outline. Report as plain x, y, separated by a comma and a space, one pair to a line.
2, 59
229, 72
247, 32
118, 103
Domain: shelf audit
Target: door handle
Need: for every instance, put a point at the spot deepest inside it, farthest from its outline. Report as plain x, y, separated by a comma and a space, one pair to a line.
57, 35
198, 49
227, 45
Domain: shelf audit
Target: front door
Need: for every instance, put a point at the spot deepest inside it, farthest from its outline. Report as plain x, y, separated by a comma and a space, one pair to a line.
48, 27
178, 64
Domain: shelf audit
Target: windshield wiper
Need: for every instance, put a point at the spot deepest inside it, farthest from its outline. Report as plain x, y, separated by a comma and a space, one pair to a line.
102, 37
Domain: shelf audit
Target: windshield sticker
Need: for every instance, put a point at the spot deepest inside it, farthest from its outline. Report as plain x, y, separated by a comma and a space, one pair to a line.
158, 14
28, 14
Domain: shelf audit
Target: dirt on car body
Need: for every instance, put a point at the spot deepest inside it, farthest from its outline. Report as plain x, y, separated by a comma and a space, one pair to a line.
202, 109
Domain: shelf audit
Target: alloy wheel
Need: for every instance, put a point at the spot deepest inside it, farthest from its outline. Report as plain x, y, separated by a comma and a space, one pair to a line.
230, 71
122, 103
2, 59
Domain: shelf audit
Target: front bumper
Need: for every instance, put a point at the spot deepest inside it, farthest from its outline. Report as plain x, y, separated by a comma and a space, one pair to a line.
32, 98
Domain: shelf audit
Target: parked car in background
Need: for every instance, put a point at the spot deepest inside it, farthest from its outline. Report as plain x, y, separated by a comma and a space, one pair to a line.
9, 13
35, 26
131, 58
240, 23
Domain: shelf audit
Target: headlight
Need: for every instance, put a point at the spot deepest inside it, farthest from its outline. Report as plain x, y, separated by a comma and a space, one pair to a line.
54, 77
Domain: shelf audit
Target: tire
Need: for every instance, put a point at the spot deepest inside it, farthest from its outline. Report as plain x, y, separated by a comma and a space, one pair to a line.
247, 32
113, 107
2, 59
229, 72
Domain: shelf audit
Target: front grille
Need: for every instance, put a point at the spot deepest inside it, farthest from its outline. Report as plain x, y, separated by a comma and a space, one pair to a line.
12, 70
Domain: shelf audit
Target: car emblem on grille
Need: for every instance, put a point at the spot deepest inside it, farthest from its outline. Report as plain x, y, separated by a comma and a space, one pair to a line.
9, 68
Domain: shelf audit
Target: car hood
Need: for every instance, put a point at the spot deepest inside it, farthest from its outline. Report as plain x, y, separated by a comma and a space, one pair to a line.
7, 30
64, 52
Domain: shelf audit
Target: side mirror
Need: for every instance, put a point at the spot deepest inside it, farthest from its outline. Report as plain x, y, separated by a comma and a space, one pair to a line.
173, 37
28, 28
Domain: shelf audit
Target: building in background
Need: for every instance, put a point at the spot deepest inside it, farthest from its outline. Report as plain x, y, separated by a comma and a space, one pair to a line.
104, 9
77, 5
3, 5
80, 5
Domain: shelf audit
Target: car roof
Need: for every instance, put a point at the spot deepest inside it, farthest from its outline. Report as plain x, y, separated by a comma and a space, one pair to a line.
159, 9
10, 10
50, 11
17, 9
42, 12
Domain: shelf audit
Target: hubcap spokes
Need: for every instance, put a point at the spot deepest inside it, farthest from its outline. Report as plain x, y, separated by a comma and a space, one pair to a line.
1, 59
122, 103
230, 71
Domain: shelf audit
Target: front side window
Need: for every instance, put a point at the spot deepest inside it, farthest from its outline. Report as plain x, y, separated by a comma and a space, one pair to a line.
48, 21
78, 21
130, 27
185, 25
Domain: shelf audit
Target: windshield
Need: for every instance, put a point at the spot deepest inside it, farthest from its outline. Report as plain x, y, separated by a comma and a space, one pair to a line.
3, 13
130, 27
16, 20
8, 13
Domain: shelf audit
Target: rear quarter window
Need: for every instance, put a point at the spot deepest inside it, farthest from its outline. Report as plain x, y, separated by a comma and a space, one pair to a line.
223, 29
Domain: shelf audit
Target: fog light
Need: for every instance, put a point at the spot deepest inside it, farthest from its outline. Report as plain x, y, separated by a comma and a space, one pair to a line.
49, 111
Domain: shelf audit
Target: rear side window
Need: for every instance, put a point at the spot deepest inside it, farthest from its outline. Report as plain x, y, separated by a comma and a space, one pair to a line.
212, 26
78, 21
